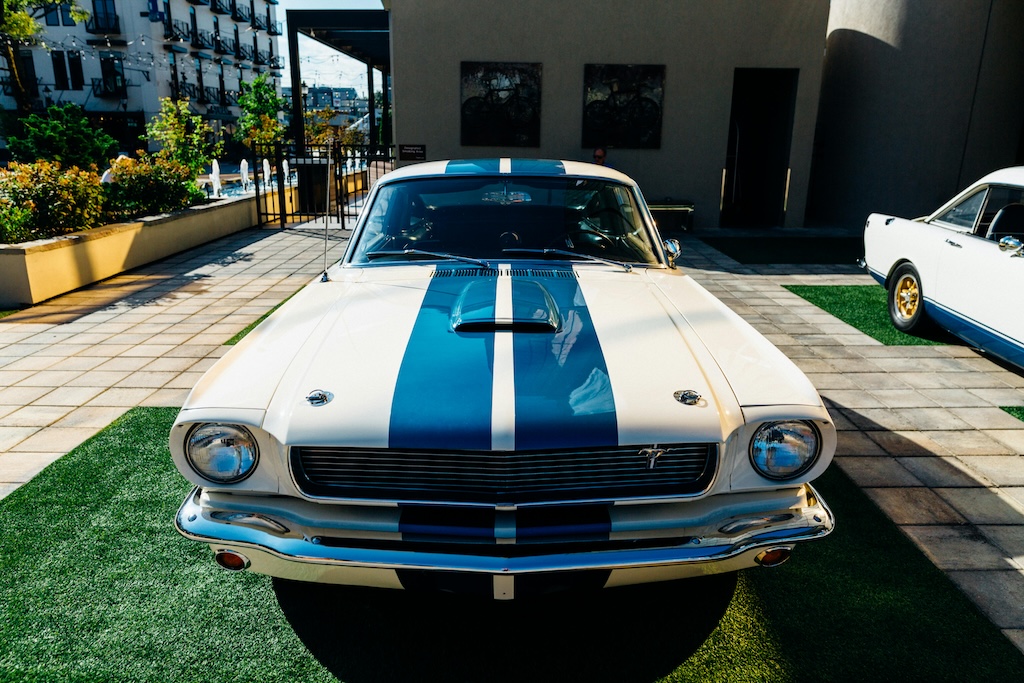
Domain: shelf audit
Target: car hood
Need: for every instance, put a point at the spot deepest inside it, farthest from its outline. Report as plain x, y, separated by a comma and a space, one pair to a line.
455, 357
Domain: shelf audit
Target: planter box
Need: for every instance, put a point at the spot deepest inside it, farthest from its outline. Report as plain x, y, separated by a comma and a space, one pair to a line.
35, 271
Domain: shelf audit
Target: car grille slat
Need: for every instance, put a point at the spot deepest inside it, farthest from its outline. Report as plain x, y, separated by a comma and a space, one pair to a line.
503, 477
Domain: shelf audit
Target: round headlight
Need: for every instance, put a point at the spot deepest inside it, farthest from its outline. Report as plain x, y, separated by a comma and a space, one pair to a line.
783, 450
222, 453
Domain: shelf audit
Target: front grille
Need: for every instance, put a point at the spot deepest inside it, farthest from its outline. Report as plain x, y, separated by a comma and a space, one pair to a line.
503, 478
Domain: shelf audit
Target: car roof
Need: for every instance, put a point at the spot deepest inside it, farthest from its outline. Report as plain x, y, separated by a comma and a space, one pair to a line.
506, 166
1004, 176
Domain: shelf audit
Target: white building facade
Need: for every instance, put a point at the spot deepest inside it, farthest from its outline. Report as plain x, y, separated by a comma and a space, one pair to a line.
130, 53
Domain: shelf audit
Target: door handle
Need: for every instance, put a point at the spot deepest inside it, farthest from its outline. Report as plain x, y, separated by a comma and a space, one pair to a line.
953, 244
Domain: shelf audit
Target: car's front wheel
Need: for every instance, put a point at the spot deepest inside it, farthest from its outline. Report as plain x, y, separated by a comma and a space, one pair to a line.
906, 299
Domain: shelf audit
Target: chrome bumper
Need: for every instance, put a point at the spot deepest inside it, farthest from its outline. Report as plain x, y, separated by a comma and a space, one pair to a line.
305, 541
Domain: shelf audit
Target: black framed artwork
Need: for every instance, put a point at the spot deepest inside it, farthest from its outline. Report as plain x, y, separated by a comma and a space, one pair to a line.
500, 104
622, 105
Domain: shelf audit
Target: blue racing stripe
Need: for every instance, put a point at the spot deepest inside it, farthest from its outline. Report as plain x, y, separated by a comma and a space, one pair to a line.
563, 393
538, 167
443, 393
472, 166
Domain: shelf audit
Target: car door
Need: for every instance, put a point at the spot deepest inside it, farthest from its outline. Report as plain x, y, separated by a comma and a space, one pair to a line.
975, 288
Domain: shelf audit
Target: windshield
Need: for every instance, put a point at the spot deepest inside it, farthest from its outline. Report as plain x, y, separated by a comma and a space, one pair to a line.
504, 218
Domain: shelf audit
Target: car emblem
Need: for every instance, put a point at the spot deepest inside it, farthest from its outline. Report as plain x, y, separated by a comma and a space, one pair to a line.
687, 396
319, 397
652, 455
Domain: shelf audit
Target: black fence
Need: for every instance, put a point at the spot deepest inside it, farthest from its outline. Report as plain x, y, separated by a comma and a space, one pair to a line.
301, 183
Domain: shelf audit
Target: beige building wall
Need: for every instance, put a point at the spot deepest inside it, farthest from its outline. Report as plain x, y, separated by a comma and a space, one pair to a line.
919, 99
701, 44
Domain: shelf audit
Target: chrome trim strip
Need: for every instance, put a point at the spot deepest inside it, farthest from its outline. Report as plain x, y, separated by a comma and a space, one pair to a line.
196, 523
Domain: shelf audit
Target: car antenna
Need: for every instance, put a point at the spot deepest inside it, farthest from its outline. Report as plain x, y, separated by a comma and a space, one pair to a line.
327, 207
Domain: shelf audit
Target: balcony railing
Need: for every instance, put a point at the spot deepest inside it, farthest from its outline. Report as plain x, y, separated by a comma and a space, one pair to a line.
189, 91
209, 95
241, 12
246, 51
200, 2
275, 28
275, 62
221, 6
109, 88
230, 98
225, 46
203, 39
262, 57
259, 21
178, 30
103, 24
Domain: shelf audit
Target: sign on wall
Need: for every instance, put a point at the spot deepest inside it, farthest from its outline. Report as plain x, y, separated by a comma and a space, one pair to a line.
622, 105
501, 104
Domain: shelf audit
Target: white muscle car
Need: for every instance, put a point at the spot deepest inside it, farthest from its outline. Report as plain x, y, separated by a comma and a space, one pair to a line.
505, 387
959, 267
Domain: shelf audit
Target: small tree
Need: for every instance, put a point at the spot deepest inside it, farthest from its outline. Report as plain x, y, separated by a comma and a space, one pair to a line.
63, 135
260, 105
19, 23
184, 137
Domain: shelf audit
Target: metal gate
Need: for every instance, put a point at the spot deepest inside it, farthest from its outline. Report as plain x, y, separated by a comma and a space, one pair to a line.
301, 183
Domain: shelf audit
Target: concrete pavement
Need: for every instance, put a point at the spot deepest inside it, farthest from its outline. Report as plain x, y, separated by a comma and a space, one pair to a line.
921, 430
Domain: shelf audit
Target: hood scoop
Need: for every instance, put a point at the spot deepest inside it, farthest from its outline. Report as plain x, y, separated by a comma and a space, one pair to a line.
517, 306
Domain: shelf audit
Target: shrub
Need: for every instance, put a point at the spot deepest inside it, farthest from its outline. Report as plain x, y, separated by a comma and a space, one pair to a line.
183, 136
148, 186
65, 135
60, 200
14, 222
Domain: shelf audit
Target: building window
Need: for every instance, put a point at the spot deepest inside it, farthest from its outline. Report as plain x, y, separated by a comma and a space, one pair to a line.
60, 71
112, 71
67, 70
59, 15
28, 72
75, 69
105, 15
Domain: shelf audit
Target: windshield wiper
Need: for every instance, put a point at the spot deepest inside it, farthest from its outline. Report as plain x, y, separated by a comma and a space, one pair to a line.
564, 252
422, 252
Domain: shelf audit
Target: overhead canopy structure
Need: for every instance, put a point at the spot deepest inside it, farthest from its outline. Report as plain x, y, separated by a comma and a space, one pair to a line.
363, 35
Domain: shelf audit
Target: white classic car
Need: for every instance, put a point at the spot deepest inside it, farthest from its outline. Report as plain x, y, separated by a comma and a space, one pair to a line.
957, 266
505, 387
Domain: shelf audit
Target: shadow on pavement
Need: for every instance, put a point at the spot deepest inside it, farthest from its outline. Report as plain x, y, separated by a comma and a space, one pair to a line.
638, 633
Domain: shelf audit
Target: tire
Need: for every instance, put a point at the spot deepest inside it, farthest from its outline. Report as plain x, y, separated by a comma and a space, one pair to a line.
906, 300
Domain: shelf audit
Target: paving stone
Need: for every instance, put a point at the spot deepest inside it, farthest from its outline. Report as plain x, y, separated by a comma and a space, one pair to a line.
944, 472
1010, 540
18, 468
876, 472
968, 442
856, 443
999, 594
989, 418
34, 416
958, 547
54, 439
906, 443
983, 505
914, 506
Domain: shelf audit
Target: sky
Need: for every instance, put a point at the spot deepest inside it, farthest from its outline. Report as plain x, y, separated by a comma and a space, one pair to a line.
321, 65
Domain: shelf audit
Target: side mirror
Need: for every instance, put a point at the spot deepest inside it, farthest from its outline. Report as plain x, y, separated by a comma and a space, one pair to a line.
1013, 244
672, 250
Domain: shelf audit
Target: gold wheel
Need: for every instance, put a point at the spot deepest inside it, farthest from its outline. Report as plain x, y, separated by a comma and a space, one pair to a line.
907, 297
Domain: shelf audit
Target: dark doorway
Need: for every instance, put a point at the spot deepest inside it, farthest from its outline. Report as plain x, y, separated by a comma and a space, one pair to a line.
756, 183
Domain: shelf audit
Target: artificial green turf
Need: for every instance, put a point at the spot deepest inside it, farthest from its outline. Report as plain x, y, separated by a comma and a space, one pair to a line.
1016, 411
863, 307
95, 585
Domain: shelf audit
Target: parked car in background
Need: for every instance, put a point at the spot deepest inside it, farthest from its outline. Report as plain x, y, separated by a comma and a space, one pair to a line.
505, 387
960, 267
